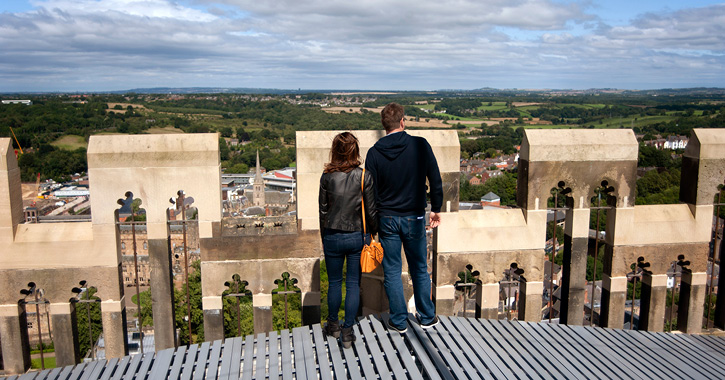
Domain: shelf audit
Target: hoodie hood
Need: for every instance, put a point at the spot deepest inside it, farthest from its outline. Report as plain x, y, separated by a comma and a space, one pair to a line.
391, 146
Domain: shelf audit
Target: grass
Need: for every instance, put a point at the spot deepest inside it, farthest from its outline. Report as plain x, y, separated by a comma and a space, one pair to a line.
70, 142
49, 362
495, 106
164, 130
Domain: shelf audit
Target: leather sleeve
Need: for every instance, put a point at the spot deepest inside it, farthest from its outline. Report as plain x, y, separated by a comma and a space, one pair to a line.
323, 203
371, 209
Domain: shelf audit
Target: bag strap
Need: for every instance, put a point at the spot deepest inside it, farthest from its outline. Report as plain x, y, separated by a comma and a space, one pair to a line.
362, 200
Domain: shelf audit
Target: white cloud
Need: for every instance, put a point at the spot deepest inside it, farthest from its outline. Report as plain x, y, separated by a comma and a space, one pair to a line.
138, 8
398, 44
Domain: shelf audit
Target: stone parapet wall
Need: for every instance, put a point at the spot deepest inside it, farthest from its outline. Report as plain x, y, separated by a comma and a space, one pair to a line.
155, 167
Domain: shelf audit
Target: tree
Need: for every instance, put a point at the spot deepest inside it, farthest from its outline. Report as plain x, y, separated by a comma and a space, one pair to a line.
197, 313
226, 131
223, 149
82, 308
144, 313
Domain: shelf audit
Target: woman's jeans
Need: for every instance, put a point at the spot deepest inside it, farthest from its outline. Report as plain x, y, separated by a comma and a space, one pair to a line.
338, 246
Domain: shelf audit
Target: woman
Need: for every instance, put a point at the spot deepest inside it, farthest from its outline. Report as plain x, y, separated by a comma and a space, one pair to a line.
341, 227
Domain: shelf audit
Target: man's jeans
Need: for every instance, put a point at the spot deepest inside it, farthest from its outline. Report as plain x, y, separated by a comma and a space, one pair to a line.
338, 246
410, 231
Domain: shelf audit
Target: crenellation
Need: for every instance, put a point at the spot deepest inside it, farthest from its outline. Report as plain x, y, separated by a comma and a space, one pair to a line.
56, 256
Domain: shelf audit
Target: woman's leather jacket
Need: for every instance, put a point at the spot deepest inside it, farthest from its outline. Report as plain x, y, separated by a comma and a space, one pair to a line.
340, 202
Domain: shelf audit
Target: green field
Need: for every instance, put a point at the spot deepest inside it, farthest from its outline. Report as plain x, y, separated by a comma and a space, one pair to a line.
49, 362
164, 130
495, 106
613, 123
70, 142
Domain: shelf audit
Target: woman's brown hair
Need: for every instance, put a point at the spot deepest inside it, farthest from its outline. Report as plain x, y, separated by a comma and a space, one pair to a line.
344, 155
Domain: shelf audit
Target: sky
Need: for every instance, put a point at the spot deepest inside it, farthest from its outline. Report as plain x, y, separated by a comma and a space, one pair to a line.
417, 45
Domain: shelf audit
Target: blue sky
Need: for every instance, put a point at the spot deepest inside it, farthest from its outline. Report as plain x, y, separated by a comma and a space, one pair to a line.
97, 45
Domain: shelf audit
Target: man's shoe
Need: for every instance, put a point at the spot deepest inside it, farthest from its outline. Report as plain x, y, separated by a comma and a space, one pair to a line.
429, 324
400, 330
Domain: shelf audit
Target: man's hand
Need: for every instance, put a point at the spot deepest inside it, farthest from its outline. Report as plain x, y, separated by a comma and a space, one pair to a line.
435, 219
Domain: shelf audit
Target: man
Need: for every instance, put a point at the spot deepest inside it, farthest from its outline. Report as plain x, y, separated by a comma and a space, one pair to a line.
400, 164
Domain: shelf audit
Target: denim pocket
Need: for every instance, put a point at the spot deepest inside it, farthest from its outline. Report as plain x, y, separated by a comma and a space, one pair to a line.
416, 228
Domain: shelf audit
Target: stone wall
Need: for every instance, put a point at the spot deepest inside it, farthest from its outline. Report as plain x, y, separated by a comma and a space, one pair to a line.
57, 256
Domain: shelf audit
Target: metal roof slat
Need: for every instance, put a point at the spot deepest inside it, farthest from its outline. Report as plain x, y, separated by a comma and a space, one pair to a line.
578, 350
489, 360
298, 348
445, 362
77, 370
571, 358
100, 368
447, 331
226, 358
338, 364
178, 360
162, 364
587, 346
657, 353
390, 353
235, 365
693, 345
358, 351
418, 350
55, 372
44, 373
604, 347
408, 360
143, 370
520, 348
121, 368
716, 343
285, 348
322, 360
516, 364
214, 357
130, 371
373, 346
198, 366
639, 352
683, 352
261, 348
188, 362
652, 354
557, 368
273, 350
526, 343
29, 376
91, 369
485, 353
309, 353
111, 367
243, 348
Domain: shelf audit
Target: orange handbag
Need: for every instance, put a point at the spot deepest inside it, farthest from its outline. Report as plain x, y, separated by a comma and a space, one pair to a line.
372, 254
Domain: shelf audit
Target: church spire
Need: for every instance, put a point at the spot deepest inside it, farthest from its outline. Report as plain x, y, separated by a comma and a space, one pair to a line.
258, 195
258, 173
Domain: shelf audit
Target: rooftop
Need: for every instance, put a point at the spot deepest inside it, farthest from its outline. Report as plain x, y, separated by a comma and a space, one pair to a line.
457, 348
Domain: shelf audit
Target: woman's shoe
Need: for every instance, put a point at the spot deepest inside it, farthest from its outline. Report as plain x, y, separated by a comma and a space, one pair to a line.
332, 328
348, 336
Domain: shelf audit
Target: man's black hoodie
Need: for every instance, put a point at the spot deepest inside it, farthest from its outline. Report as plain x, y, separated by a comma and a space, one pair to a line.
400, 164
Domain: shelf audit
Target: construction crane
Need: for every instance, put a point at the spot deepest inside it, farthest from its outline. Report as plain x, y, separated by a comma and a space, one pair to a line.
37, 186
16, 140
